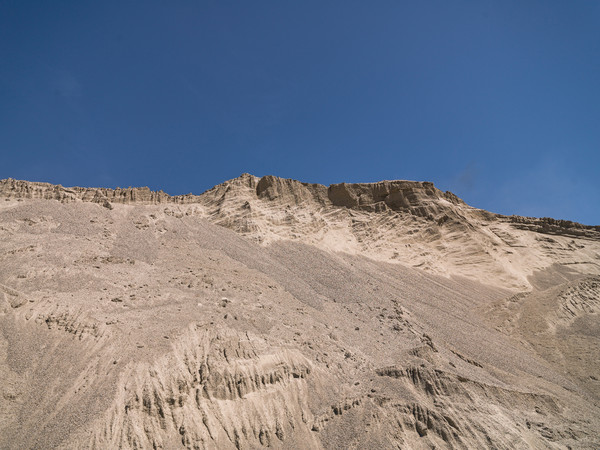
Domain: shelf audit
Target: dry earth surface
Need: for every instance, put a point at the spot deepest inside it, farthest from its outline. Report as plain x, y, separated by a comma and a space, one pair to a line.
273, 313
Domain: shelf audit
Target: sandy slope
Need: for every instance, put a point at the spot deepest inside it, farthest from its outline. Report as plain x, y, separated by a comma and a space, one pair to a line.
424, 228
272, 313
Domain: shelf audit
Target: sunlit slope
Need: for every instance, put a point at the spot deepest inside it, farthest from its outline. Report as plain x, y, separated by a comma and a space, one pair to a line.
132, 322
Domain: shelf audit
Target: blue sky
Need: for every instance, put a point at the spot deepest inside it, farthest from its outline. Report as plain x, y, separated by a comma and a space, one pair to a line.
497, 101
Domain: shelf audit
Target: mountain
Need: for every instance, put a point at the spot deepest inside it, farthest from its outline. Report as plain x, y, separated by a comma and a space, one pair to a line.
270, 312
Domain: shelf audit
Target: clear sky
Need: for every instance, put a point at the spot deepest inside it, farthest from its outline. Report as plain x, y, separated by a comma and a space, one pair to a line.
497, 101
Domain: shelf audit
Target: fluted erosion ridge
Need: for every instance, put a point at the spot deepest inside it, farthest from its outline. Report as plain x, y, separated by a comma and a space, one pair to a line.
549, 225
396, 195
11, 188
418, 198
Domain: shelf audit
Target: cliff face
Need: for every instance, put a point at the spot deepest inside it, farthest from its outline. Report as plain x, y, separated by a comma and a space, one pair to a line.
420, 198
548, 225
10, 188
289, 191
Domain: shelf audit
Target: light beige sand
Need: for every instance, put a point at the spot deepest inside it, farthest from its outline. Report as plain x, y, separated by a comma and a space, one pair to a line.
273, 313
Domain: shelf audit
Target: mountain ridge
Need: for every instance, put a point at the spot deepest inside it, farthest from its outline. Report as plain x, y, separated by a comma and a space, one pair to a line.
268, 186
408, 222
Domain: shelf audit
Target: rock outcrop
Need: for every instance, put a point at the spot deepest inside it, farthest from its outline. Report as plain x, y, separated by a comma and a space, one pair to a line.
291, 191
548, 225
420, 198
10, 188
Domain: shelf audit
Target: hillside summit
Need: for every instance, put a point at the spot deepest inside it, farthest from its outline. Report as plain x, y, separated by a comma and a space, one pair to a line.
266, 312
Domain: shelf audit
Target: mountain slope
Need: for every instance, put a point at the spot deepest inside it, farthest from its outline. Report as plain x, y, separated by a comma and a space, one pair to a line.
409, 222
267, 312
